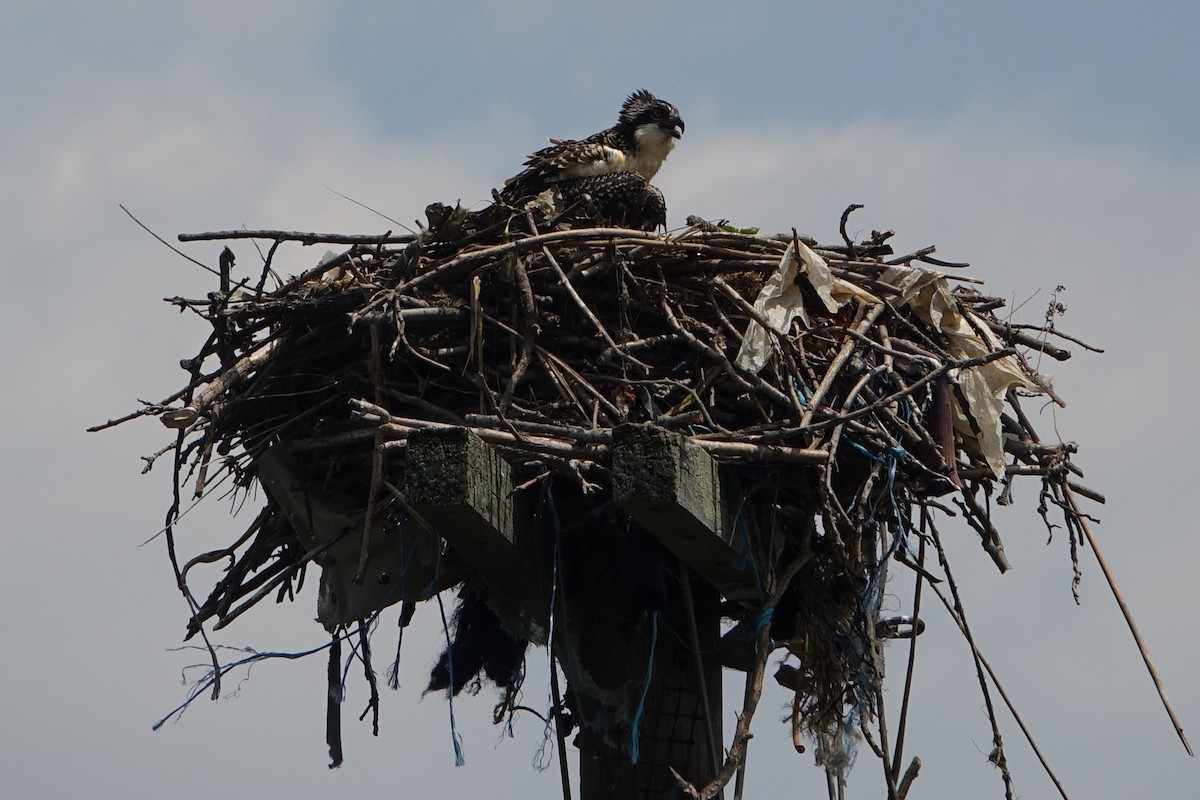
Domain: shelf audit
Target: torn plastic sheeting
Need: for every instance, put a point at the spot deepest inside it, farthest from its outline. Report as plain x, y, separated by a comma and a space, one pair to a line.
927, 293
782, 300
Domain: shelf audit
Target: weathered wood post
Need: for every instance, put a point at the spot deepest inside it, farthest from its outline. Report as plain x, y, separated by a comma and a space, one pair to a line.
638, 618
672, 491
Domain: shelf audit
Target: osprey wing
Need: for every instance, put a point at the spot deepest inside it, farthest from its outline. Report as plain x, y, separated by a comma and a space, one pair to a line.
566, 158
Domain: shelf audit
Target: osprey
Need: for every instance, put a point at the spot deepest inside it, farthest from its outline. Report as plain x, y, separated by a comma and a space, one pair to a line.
644, 135
623, 199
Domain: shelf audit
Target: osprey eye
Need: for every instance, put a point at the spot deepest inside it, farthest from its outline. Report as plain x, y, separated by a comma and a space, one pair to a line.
658, 113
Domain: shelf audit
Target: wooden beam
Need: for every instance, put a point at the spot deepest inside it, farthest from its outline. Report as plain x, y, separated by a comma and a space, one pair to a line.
672, 488
463, 488
402, 563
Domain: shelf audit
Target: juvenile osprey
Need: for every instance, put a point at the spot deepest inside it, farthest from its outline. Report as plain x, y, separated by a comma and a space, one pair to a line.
623, 199
644, 135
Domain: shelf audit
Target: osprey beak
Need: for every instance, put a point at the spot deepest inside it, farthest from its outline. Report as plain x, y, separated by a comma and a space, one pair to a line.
676, 129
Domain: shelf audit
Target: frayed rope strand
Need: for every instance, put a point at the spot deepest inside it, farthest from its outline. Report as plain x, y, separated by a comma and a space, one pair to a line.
634, 734
214, 675
459, 758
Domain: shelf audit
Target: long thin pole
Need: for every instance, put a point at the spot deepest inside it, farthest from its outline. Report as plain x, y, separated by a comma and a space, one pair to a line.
1133, 628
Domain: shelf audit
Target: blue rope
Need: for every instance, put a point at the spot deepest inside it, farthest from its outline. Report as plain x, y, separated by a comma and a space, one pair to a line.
1006, 496
427, 592
746, 557
212, 675
764, 620
459, 758
634, 747
570, 660
801, 394
873, 596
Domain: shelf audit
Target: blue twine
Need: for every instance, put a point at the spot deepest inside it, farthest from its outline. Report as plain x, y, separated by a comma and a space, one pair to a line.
372, 621
427, 592
764, 620
634, 747
861, 449
459, 758
746, 557
212, 675
801, 395
570, 660
873, 595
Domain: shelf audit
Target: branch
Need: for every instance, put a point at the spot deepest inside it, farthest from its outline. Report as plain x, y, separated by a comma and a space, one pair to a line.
298, 236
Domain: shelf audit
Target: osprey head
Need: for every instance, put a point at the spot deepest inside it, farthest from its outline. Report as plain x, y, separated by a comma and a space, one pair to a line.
642, 109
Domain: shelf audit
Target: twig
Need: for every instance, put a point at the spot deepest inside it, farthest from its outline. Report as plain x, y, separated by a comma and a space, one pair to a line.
529, 332
587, 312
981, 521
169, 246
850, 209
959, 615
741, 736
208, 401
902, 726
1004, 696
375, 370
910, 775
1025, 340
1125, 612
714, 746
835, 366
298, 236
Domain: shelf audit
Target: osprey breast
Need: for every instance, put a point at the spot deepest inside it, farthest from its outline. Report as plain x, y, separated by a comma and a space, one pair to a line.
653, 145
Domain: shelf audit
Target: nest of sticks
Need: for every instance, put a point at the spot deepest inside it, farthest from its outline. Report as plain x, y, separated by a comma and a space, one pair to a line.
845, 389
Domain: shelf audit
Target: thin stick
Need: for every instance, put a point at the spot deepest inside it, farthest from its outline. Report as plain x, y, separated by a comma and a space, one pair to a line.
1133, 628
559, 729
465, 262
754, 678
1012, 709
529, 331
959, 615
298, 236
170, 247
888, 776
209, 399
1069, 490
714, 747
587, 312
375, 369
902, 726
838, 362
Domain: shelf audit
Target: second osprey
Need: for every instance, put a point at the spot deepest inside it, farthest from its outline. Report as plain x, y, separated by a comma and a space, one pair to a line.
644, 135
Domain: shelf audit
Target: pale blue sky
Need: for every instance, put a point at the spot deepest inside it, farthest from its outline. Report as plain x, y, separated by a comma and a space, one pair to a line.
1045, 143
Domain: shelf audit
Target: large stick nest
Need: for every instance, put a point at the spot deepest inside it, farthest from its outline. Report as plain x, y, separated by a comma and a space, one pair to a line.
887, 382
